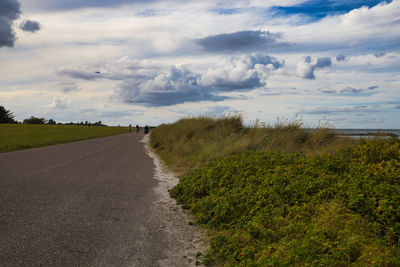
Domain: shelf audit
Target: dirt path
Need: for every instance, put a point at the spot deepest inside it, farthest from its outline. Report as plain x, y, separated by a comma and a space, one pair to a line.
184, 240
99, 202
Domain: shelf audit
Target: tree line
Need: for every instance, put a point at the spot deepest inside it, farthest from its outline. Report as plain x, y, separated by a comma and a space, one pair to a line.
6, 116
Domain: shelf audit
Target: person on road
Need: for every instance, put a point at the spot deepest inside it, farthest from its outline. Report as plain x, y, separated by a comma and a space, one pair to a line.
130, 128
137, 128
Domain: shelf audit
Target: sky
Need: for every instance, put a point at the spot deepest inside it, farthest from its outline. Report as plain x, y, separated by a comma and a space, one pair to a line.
155, 61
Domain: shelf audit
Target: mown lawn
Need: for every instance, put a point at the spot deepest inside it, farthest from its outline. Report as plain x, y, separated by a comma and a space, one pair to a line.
23, 136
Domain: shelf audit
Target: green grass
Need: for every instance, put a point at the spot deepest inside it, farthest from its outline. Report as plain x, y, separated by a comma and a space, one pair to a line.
23, 136
293, 209
191, 142
285, 195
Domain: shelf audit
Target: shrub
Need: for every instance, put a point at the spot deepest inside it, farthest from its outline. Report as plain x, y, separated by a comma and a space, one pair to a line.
34, 120
275, 209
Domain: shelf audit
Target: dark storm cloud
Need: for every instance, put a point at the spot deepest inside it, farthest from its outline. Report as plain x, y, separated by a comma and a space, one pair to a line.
241, 41
30, 26
9, 11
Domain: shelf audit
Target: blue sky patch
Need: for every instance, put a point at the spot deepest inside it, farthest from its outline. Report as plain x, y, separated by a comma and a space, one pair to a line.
318, 9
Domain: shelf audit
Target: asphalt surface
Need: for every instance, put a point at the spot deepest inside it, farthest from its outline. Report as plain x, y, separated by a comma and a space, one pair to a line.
85, 203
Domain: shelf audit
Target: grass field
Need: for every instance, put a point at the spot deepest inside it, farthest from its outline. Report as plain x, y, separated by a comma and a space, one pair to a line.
23, 136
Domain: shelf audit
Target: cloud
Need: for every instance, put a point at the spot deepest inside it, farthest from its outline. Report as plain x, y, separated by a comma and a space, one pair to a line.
361, 30
204, 109
340, 57
77, 4
323, 62
153, 85
81, 74
351, 91
241, 73
30, 26
118, 113
241, 41
328, 91
9, 11
113, 71
336, 110
306, 67
358, 91
379, 54
177, 85
69, 87
397, 107
58, 103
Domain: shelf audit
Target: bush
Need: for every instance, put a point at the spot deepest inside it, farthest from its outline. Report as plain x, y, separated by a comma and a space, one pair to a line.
34, 120
270, 208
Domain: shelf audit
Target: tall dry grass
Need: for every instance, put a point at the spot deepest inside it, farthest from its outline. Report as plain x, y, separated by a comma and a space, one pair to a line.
191, 142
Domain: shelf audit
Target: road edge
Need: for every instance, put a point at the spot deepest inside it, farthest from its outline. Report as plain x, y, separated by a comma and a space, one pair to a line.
185, 239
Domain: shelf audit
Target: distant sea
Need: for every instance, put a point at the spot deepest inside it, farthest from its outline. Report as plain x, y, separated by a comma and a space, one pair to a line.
366, 132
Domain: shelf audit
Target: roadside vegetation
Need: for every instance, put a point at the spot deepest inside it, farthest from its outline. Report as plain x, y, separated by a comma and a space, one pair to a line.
283, 195
191, 142
23, 136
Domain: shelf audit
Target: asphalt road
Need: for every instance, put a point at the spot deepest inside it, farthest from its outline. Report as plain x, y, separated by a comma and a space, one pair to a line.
85, 203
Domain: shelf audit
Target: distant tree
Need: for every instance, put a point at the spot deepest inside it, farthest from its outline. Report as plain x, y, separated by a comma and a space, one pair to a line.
34, 120
6, 116
51, 121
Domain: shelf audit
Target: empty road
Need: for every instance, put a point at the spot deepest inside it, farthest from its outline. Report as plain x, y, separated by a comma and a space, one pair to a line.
86, 203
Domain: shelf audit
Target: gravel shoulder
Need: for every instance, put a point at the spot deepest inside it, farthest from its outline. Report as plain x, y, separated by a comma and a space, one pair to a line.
184, 240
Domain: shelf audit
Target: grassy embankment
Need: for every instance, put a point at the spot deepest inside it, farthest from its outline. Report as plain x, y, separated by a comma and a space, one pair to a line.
282, 195
191, 142
23, 136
